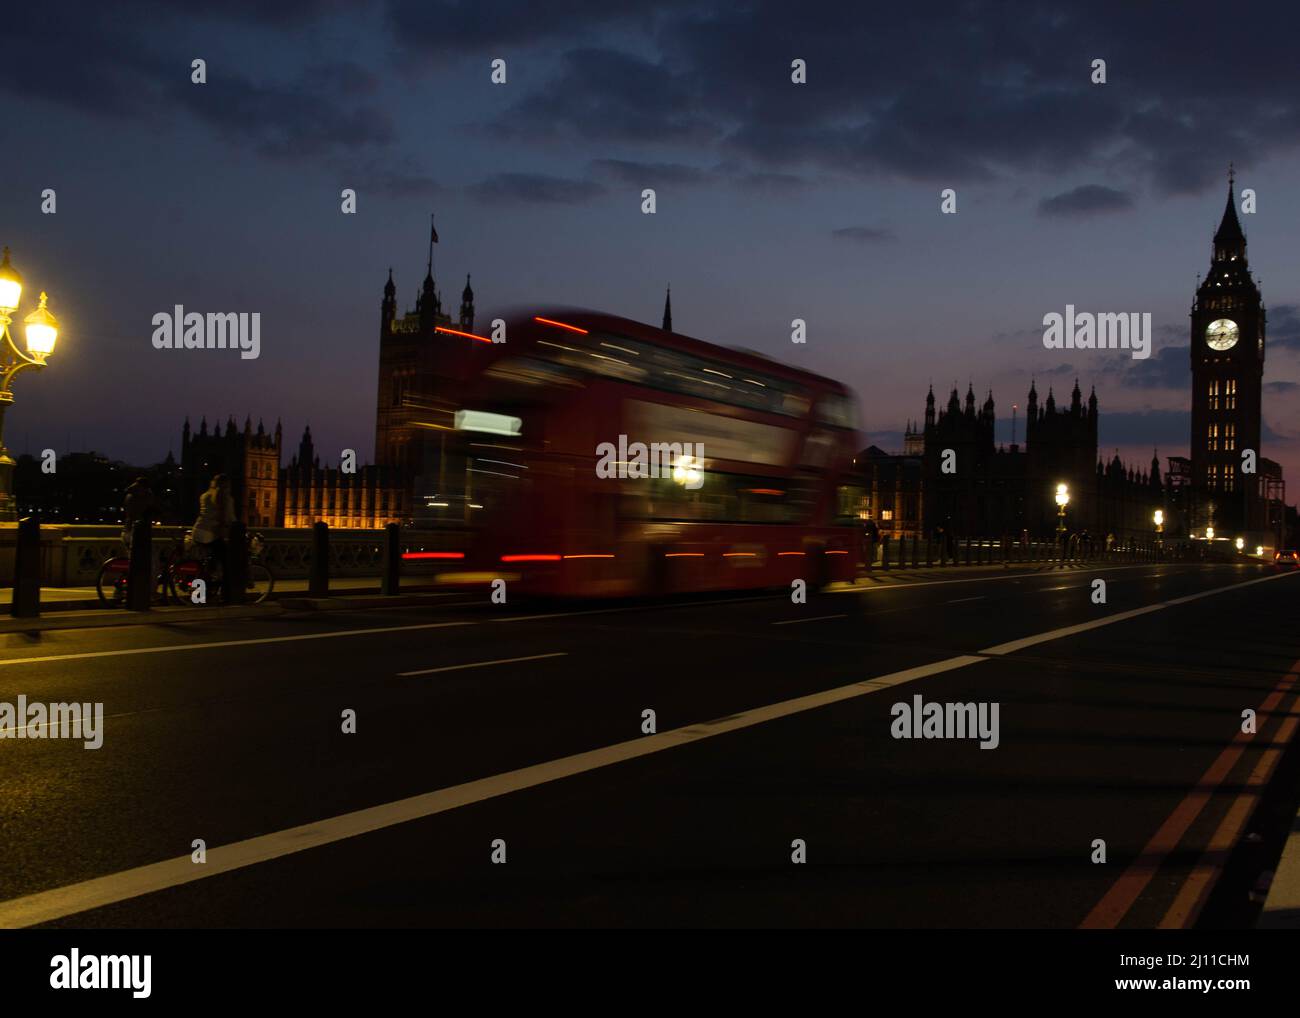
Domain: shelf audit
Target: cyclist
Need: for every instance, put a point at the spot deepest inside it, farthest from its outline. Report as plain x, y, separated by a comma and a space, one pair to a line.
139, 504
216, 513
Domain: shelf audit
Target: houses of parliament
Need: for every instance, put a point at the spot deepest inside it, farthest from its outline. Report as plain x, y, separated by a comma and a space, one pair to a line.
304, 491
1225, 486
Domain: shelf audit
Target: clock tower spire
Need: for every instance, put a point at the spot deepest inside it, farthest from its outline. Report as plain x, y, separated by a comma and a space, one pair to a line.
1227, 354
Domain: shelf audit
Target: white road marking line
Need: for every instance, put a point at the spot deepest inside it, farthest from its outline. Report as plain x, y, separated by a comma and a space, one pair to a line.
1056, 634
226, 643
962, 600
819, 618
1042, 574
484, 664
45, 906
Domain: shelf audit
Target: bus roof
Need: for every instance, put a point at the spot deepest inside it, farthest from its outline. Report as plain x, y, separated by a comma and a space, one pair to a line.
600, 321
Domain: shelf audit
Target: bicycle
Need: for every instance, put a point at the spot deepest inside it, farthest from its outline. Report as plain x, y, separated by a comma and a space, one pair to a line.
178, 571
111, 581
194, 564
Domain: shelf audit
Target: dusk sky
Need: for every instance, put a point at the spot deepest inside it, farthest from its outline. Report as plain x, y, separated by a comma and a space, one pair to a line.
775, 201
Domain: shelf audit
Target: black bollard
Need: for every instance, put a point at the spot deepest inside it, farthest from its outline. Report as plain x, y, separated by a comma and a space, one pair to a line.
318, 583
391, 580
235, 583
27, 570
139, 574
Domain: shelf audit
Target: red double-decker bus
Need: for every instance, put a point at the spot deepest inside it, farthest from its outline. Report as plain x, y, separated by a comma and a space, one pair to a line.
750, 463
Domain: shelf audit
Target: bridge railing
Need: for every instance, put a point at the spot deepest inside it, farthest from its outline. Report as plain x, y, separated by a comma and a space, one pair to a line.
893, 553
71, 554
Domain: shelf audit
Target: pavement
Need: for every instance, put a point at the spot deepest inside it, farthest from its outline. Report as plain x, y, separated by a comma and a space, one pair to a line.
79, 606
503, 770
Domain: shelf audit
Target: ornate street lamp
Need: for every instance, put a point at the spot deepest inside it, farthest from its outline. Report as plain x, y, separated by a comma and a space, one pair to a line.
1062, 500
1159, 518
41, 332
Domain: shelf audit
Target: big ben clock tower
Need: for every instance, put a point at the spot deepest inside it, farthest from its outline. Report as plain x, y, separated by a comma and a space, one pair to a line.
1227, 378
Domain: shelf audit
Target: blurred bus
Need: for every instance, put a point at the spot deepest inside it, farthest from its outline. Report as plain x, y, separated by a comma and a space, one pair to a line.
769, 499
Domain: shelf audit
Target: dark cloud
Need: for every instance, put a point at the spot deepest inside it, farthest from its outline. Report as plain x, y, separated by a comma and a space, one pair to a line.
714, 71
1088, 200
865, 234
1144, 427
128, 61
396, 178
1284, 326
453, 27
770, 182
300, 120
536, 189
649, 174
958, 91
1168, 367
608, 95
1281, 387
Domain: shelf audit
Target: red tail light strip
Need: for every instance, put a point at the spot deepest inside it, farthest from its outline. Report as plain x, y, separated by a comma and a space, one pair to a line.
560, 325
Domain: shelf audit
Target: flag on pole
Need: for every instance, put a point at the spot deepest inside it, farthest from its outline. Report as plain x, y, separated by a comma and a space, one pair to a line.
433, 232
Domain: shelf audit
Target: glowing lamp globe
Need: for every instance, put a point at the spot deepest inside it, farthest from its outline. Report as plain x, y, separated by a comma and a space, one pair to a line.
42, 331
11, 286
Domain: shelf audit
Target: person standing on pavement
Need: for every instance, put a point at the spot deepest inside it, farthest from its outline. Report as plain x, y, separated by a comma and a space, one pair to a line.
216, 514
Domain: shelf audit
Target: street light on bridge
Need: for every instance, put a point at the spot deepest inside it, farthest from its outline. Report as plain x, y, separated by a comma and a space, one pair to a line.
1062, 500
41, 332
1159, 518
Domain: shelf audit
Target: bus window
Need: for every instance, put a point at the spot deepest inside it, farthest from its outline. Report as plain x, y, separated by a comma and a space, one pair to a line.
724, 498
837, 410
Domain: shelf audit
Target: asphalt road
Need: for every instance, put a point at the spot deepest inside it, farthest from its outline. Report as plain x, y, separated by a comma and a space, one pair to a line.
232, 733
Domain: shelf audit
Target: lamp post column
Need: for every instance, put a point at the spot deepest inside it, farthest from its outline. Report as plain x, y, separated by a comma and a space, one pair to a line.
8, 507
42, 331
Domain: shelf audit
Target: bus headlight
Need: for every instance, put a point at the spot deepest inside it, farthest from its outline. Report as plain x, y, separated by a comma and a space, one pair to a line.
489, 423
688, 472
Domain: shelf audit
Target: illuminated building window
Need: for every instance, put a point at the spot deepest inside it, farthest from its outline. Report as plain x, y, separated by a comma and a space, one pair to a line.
1230, 394
1214, 475
1229, 437
1214, 394
1212, 438
1228, 478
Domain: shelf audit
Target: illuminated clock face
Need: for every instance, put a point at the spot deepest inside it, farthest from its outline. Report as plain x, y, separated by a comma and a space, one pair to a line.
1222, 334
